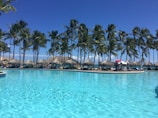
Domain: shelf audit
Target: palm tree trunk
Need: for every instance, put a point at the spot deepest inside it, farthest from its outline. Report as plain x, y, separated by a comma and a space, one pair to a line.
0, 55
94, 56
23, 56
9, 51
84, 55
153, 56
13, 51
37, 57
78, 54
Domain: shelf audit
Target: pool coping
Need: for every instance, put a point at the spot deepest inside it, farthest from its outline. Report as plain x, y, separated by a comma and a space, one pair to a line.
109, 71
88, 71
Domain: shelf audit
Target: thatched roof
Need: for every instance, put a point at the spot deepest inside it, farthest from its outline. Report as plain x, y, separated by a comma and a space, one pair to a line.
88, 62
13, 61
29, 62
148, 63
70, 61
156, 64
106, 63
56, 60
60, 59
42, 62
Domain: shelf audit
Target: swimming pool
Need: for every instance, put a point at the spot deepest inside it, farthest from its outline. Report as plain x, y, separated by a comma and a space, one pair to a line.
64, 94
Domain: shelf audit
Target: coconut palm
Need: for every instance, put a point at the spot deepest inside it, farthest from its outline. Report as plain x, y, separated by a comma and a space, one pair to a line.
55, 44
3, 46
122, 41
26, 42
145, 38
13, 37
64, 47
140, 35
5, 6
71, 32
21, 33
38, 40
111, 41
99, 40
83, 38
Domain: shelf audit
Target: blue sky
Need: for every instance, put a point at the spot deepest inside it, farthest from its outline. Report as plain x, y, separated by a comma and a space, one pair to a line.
47, 15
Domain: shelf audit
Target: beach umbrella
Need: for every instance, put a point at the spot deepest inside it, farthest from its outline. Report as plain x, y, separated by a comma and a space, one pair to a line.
118, 60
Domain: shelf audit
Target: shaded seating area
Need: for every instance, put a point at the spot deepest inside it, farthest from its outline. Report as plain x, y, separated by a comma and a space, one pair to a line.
87, 65
28, 64
156, 66
69, 64
13, 64
106, 65
62, 63
148, 66
55, 63
134, 65
41, 64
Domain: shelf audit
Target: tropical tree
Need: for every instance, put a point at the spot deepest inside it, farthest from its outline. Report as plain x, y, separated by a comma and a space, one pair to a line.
64, 46
122, 41
13, 37
71, 32
5, 6
145, 38
55, 42
38, 40
25, 41
111, 41
3, 46
82, 43
99, 41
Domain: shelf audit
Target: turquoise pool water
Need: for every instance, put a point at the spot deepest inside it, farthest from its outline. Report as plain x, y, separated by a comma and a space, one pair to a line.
60, 94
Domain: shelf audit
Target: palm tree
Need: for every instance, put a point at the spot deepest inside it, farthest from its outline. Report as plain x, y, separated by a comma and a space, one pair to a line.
55, 44
5, 6
140, 35
111, 41
13, 36
26, 42
144, 38
122, 41
156, 47
64, 47
99, 40
38, 40
71, 32
15, 33
3, 46
82, 41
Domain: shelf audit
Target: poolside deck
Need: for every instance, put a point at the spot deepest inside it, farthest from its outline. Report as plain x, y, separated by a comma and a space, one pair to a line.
104, 72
